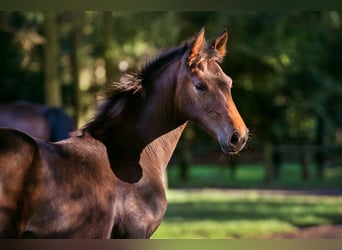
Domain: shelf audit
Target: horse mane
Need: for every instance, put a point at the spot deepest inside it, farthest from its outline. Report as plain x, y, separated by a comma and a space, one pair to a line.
116, 94
132, 83
162, 61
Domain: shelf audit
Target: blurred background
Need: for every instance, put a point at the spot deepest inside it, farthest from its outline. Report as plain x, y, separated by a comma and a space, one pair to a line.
286, 69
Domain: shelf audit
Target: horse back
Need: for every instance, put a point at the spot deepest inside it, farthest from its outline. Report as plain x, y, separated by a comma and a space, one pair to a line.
18, 153
71, 191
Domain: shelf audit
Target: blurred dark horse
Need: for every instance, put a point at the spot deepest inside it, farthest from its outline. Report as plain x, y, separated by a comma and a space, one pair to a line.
46, 123
108, 181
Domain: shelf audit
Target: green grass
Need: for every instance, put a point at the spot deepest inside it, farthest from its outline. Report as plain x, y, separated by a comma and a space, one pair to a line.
222, 214
252, 176
195, 210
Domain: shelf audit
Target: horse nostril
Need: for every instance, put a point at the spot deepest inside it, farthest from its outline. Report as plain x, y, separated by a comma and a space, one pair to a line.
234, 139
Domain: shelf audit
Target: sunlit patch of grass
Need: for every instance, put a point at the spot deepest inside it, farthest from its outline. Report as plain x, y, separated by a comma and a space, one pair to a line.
207, 229
207, 213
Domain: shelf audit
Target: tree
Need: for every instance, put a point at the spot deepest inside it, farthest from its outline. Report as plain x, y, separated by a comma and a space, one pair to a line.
51, 82
75, 37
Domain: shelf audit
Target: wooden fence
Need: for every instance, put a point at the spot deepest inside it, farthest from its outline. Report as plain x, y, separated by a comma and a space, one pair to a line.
320, 155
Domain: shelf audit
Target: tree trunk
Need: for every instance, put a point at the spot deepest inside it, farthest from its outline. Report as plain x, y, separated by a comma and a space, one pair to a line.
107, 21
53, 95
320, 154
77, 18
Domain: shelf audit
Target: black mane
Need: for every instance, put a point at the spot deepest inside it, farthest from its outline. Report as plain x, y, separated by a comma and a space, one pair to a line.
116, 94
132, 83
161, 61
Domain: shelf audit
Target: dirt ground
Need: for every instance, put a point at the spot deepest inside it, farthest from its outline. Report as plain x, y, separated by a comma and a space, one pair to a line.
318, 232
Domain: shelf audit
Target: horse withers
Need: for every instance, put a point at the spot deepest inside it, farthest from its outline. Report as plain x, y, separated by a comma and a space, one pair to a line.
108, 181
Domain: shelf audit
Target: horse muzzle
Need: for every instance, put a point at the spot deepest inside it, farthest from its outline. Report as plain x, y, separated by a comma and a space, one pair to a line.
234, 143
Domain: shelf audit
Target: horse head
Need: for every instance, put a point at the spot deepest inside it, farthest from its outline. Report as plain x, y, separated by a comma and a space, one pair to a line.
203, 93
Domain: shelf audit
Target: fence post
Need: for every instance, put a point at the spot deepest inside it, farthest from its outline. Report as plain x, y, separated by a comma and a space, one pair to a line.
232, 167
305, 162
268, 149
320, 155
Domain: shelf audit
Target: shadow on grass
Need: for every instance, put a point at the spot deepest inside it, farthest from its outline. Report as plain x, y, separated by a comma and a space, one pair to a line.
247, 213
297, 213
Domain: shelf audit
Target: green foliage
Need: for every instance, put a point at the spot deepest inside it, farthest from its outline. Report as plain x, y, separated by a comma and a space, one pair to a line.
285, 65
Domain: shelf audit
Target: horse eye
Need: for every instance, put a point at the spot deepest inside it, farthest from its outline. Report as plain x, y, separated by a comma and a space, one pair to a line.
201, 86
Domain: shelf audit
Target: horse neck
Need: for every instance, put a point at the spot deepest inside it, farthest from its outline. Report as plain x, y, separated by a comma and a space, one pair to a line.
158, 114
148, 131
160, 150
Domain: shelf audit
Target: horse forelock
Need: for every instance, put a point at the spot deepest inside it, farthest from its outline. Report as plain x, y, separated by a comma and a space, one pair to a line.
209, 54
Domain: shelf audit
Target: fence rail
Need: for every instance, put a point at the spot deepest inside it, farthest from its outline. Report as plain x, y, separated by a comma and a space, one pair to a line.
306, 153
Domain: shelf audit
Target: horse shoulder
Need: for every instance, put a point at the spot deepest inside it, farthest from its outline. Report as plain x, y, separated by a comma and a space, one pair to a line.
17, 150
18, 154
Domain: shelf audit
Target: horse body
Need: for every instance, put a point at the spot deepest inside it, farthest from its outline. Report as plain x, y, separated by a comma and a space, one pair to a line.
26, 117
108, 181
84, 199
39, 121
60, 193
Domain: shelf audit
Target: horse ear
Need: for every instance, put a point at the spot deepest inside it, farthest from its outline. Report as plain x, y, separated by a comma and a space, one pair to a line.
197, 46
219, 43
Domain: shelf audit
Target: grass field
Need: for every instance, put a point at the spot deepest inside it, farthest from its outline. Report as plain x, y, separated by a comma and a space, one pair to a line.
222, 214
196, 210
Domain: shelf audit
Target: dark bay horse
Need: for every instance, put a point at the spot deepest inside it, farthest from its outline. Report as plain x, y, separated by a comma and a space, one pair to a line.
43, 122
107, 181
